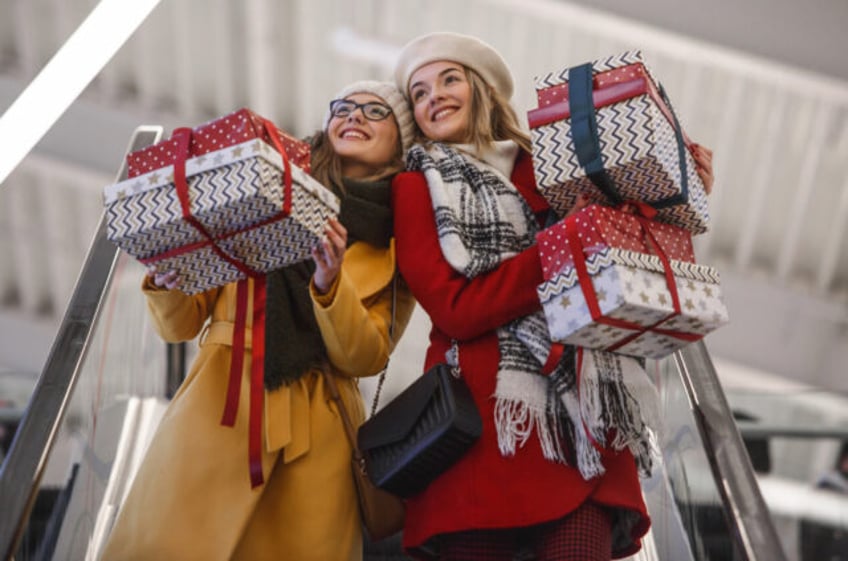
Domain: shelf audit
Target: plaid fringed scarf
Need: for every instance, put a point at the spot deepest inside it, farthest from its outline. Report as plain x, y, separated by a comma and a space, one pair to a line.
482, 220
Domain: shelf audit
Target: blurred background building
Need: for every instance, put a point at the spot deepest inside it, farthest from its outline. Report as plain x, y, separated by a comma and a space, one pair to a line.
764, 83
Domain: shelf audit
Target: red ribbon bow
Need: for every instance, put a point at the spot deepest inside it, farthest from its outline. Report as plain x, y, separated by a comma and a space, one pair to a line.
643, 213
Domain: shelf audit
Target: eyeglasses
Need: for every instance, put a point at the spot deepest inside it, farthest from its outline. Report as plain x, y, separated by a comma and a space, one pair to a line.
372, 110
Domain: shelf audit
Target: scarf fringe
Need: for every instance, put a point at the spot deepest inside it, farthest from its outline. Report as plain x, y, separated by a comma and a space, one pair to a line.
514, 424
515, 421
619, 400
588, 458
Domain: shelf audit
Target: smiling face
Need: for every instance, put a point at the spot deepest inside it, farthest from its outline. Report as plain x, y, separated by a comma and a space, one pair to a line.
441, 100
364, 146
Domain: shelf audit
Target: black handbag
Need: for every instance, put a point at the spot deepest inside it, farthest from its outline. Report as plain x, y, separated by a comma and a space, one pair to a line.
420, 433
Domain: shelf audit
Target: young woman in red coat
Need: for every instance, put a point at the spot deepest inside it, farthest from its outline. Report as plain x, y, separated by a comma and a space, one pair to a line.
537, 481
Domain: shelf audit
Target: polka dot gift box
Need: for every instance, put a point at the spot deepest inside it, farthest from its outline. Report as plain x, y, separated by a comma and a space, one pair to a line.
621, 282
606, 130
224, 201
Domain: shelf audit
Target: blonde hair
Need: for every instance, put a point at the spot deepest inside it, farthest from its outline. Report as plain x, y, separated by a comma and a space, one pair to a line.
327, 165
492, 116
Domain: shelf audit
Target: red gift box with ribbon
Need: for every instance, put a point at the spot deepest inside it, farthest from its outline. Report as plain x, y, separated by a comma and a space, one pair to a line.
621, 282
606, 131
237, 127
600, 227
227, 200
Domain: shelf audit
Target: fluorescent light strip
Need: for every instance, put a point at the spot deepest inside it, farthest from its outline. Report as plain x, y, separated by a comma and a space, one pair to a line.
60, 82
349, 44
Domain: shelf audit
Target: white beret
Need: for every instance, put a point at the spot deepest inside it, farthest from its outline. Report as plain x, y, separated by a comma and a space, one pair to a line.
455, 47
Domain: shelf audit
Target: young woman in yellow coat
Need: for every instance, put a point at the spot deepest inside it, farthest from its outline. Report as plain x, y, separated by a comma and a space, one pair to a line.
192, 497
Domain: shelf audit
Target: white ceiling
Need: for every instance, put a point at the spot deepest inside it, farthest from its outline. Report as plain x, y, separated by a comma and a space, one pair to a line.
808, 34
779, 131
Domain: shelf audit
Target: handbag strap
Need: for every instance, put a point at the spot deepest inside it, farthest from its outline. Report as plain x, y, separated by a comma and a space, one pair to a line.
452, 359
337, 397
382, 378
330, 379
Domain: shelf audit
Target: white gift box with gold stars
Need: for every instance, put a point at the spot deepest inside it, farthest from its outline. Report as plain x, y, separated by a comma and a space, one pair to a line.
238, 195
625, 302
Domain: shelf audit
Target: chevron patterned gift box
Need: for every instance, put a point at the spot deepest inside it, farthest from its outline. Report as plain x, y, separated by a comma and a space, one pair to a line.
621, 282
245, 210
606, 130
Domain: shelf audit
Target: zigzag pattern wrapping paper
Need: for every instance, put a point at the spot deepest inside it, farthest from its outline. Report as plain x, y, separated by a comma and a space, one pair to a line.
638, 147
233, 192
631, 286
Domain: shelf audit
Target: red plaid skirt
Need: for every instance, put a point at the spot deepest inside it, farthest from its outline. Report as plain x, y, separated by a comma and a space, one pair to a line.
583, 535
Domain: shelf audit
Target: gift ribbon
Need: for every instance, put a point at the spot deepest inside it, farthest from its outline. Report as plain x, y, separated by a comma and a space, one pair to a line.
257, 355
256, 401
553, 357
195, 246
584, 131
257, 379
183, 140
271, 133
601, 97
183, 137
643, 214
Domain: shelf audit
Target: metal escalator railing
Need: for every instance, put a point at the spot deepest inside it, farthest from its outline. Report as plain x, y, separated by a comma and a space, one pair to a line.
746, 514
23, 467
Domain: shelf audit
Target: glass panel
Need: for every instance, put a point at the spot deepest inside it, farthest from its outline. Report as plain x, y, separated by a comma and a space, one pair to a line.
686, 508
116, 401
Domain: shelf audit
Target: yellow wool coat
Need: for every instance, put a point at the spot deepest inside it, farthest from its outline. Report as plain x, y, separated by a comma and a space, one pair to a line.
192, 497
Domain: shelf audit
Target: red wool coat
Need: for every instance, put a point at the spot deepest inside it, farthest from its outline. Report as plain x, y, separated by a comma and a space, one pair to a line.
485, 489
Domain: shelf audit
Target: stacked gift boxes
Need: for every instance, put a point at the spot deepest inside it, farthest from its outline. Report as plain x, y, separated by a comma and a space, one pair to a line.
246, 206
606, 131
621, 282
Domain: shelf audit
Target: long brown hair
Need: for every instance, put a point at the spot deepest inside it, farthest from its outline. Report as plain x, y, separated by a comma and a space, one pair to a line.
327, 165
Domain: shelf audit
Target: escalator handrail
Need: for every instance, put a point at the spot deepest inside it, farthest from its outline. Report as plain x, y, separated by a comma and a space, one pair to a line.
23, 467
748, 515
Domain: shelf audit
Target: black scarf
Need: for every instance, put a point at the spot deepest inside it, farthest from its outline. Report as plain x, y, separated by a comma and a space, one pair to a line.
293, 343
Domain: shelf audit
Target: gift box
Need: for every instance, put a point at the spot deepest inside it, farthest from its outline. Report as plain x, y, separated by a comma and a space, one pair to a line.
237, 127
630, 227
607, 131
222, 215
625, 292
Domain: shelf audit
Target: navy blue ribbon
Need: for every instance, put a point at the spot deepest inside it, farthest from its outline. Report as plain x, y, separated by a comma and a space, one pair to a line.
584, 131
587, 144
